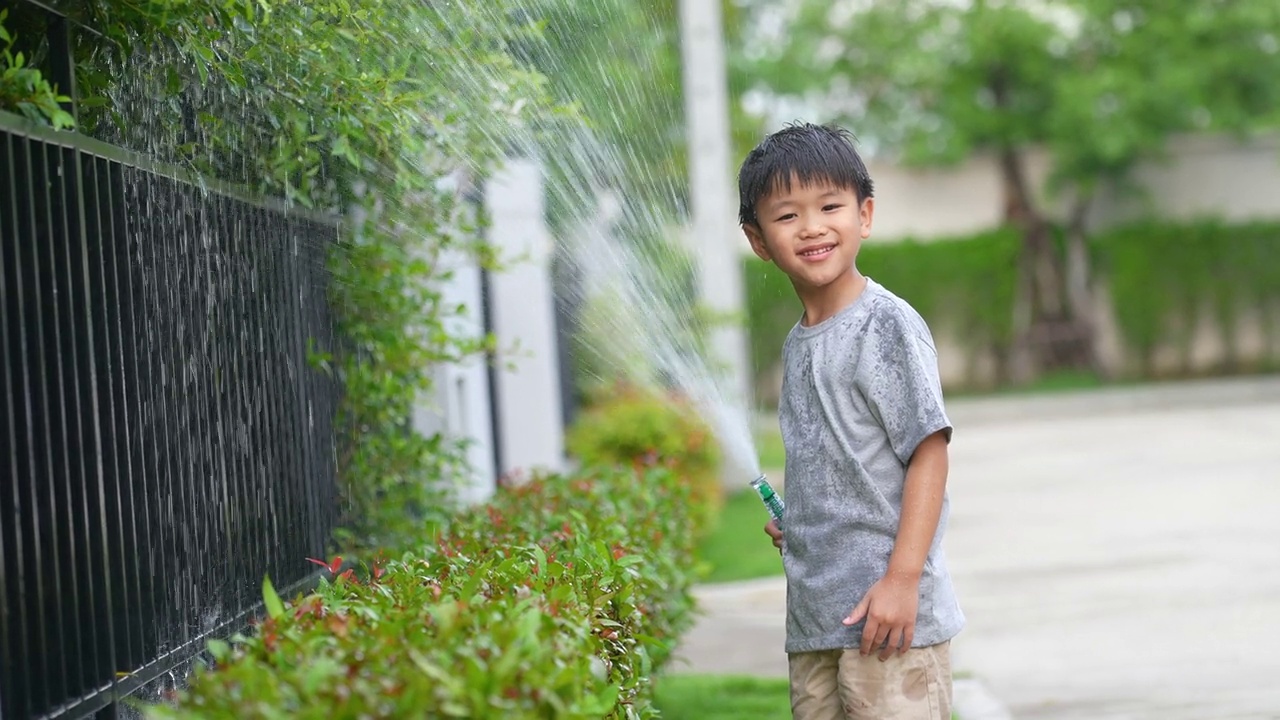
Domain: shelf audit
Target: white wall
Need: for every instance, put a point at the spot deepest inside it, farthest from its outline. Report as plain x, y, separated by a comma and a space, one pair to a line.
459, 405
1203, 175
531, 433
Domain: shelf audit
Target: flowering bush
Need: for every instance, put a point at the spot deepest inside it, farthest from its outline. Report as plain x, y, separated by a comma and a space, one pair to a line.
632, 427
559, 599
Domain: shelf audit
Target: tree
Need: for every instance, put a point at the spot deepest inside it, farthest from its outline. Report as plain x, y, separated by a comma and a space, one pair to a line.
1098, 84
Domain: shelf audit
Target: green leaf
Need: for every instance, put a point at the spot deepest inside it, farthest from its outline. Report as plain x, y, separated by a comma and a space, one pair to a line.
540, 559
220, 650
275, 608
318, 673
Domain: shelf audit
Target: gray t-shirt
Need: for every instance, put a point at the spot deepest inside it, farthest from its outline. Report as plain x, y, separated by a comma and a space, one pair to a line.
859, 392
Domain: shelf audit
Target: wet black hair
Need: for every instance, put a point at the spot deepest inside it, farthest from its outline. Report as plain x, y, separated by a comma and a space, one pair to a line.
804, 151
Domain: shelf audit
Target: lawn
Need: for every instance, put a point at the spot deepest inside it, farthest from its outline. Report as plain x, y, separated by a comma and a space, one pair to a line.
723, 697
769, 448
737, 548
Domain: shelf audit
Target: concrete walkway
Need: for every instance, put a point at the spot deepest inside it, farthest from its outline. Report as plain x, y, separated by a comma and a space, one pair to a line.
1117, 554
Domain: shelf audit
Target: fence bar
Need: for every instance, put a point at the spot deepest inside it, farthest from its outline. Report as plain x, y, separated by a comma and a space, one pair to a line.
15, 646
76, 595
103, 306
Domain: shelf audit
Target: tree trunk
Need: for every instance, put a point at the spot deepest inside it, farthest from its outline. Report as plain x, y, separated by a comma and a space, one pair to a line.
1039, 291
1080, 286
1053, 316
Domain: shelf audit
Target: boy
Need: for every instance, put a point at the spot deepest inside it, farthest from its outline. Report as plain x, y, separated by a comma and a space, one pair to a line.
870, 605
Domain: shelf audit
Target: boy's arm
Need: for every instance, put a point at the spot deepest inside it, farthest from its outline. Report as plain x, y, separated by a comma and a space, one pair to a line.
891, 605
922, 494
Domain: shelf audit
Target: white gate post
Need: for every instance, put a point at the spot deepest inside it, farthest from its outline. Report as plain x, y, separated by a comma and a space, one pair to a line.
521, 296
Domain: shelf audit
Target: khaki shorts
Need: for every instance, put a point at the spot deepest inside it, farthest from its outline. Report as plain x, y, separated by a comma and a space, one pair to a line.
844, 685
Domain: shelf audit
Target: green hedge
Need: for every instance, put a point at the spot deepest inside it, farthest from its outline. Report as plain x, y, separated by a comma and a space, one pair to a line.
561, 598
1162, 277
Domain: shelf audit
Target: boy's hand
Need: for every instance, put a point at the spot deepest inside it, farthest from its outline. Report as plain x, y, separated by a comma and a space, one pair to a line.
772, 530
890, 609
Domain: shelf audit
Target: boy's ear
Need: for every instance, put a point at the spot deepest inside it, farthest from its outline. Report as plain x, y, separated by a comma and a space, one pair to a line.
756, 238
865, 212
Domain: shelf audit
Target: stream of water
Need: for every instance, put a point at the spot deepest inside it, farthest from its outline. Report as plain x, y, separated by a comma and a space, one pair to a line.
626, 264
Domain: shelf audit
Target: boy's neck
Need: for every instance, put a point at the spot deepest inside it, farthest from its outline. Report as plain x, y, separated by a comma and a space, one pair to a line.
821, 304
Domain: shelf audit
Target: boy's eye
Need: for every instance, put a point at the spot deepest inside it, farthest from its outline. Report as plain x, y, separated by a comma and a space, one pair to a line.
786, 217
833, 206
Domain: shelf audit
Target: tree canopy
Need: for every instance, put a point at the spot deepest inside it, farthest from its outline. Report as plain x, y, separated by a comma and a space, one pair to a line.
1098, 82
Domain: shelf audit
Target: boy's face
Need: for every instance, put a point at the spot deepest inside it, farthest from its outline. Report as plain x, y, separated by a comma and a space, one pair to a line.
812, 232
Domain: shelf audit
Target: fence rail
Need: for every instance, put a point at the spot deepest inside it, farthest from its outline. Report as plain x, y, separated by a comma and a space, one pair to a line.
164, 441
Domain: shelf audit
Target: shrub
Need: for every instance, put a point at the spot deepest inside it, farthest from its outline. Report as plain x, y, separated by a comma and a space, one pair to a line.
633, 427
558, 599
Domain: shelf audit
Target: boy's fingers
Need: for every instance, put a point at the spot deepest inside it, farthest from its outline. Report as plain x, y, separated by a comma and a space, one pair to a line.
894, 644
882, 637
908, 636
858, 612
868, 636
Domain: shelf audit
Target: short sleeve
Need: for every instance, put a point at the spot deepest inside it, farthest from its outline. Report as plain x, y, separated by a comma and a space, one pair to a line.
898, 376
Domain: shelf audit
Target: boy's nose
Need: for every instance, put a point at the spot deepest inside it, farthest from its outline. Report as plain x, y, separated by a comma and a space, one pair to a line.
813, 229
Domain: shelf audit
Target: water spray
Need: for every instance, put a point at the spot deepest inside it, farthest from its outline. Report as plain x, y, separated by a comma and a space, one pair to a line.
772, 502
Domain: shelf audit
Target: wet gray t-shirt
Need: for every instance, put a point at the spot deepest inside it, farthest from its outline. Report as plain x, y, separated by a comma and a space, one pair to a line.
859, 392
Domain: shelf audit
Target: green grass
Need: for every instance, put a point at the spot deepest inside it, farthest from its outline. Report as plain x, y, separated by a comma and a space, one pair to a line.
737, 548
723, 697
769, 448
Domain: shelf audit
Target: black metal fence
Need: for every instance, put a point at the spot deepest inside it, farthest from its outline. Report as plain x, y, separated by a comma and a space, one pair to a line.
164, 441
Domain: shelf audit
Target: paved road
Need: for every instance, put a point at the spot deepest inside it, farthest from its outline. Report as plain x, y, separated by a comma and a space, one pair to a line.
1117, 557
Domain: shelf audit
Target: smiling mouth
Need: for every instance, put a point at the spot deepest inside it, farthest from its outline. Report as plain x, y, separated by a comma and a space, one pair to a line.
818, 252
